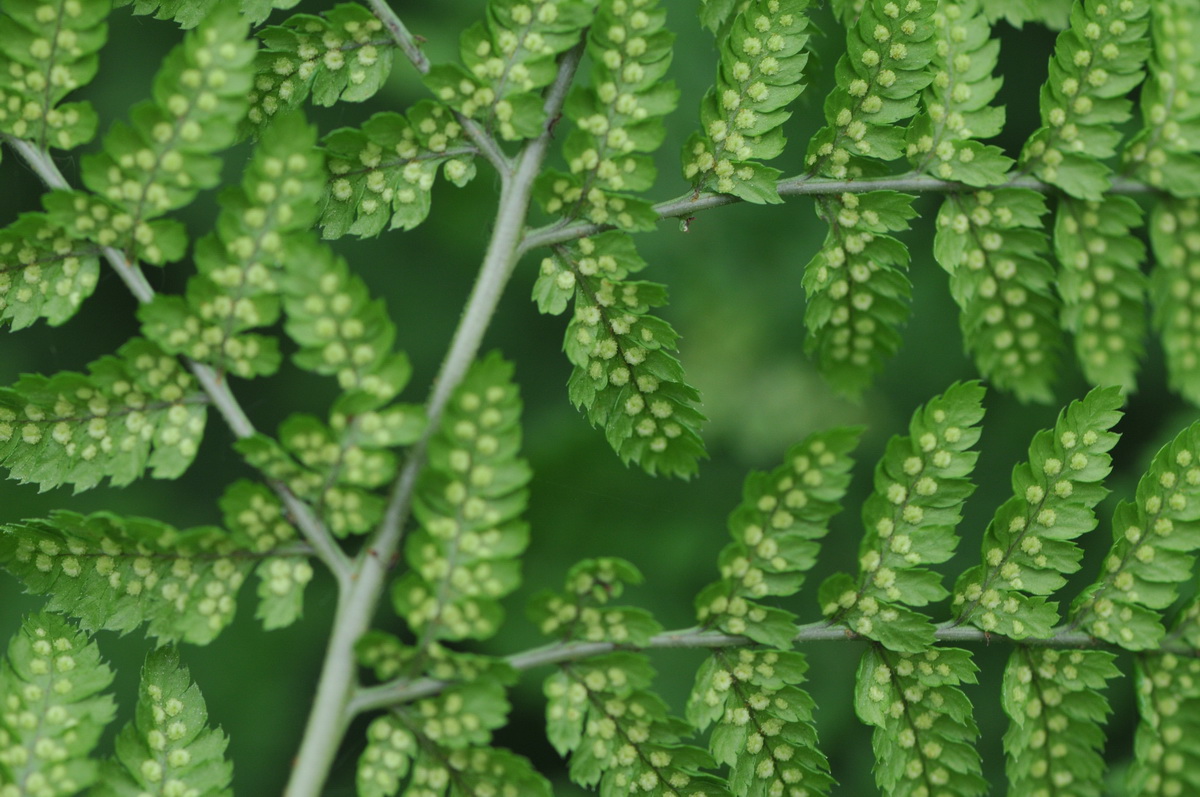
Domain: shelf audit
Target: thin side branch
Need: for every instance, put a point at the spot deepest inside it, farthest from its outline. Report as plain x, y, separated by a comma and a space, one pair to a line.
213, 383
803, 185
398, 692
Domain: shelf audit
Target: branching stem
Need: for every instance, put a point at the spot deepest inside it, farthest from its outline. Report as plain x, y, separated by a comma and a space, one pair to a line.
803, 185
331, 713
405, 691
212, 382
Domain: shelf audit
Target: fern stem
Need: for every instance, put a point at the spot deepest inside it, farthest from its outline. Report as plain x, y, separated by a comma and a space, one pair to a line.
404, 691
332, 711
803, 185
213, 383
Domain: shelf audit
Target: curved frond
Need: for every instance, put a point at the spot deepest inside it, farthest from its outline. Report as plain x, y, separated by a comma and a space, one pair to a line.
760, 72
53, 714
921, 484
169, 747
1028, 546
132, 412
47, 50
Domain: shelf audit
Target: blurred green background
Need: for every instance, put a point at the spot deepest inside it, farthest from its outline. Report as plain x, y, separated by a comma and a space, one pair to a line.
737, 300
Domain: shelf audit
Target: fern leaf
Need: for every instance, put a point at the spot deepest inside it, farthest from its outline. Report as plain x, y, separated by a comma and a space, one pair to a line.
1096, 62
1163, 153
53, 713
166, 156
618, 732
993, 246
390, 658
581, 612
168, 748
381, 175
468, 500
761, 70
1102, 286
256, 520
1174, 284
445, 742
1155, 538
625, 378
132, 412
47, 50
776, 533
924, 740
45, 272
326, 469
87, 217
189, 13
957, 109
116, 573
1056, 710
920, 487
236, 288
857, 294
1028, 546
616, 120
510, 57
1166, 758
765, 731
341, 331
343, 55
879, 82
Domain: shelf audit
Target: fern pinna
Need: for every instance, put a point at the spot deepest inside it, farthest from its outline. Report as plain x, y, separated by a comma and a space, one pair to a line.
1064, 244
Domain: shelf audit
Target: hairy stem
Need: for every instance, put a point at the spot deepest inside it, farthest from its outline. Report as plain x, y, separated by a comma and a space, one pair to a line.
212, 382
405, 691
804, 185
331, 712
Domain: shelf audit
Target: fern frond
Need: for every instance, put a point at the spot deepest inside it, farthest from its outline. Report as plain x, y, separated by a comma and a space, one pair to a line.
341, 331
166, 156
776, 532
761, 70
509, 58
1056, 709
343, 55
469, 500
1155, 538
87, 217
581, 611
381, 175
1175, 288
1028, 545
993, 245
116, 573
1164, 151
924, 739
765, 731
311, 460
616, 120
236, 288
255, 518
45, 272
857, 294
1166, 756
53, 713
47, 50
957, 110
169, 747
131, 412
625, 378
921, 484
189, 13
619, 733
445, 742
390, 658
1096, 62
1102, 285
